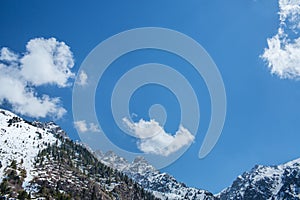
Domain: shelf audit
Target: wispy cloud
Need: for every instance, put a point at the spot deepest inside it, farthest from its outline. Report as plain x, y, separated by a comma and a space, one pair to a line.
82, 126
46, 61
283, 52
152, 138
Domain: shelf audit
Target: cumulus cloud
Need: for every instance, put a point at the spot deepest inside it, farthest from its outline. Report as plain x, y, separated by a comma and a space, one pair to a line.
82, 78
83, 127
152, 138
50, 60
283, 52
46, 61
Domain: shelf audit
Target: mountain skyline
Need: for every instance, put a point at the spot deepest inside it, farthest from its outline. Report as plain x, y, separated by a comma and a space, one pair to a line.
39, 160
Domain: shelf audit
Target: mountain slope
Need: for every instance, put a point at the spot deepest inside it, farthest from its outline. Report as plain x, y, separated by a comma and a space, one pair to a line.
38, 160
21, 141
266, 182
162, 185
262, 182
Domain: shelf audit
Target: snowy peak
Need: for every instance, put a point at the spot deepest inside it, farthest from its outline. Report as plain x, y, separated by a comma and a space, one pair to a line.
112, 160
267, 182
38, 161
262, 182
52, 127
140, 159
162, 185
140, 165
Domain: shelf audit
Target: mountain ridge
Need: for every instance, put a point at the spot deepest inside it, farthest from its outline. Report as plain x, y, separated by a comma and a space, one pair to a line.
163, 185
266, 182
39, 160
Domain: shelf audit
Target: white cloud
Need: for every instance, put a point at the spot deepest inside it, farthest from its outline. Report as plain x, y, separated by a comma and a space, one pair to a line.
153, 138
50, 60
83, 127
17, 87
289, 13
82, 78
7, 55
283, 52
94, 128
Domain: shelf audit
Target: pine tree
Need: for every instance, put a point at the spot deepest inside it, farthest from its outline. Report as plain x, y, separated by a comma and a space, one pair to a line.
4, 189
13, 164
23, 195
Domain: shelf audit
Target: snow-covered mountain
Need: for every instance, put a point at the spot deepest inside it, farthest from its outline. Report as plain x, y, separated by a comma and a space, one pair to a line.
21, 141
266, 182
262, 182
38, 161
162, 185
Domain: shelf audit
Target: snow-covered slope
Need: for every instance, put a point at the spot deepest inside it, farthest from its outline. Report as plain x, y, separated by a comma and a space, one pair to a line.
162, 185
21, 141
112, 160
266, 182
38, 161
51, 160
262, 182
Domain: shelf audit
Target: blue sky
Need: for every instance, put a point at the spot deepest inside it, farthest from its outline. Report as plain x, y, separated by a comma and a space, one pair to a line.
262, 122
